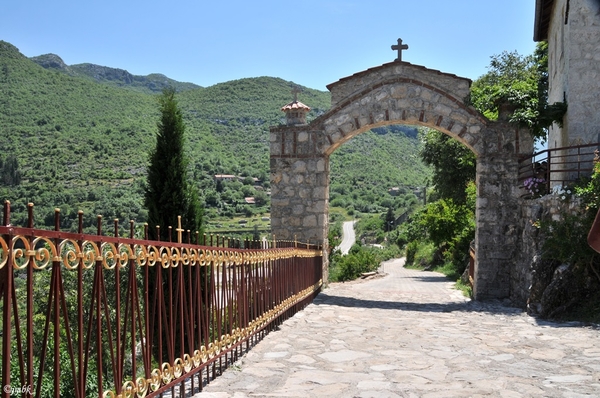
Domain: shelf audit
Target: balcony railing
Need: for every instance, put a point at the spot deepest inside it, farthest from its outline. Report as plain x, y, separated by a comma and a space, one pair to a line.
556, 167
95, 315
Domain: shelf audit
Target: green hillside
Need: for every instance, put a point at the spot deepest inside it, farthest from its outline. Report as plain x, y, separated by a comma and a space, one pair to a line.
82, 142
365, 168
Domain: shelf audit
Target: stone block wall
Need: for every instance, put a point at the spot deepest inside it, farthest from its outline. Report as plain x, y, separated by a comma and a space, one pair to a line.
497, 225
351, 85
530, 241
574, 70
300, 203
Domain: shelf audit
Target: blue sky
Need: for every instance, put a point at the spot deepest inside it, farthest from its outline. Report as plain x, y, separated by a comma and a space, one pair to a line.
311, 42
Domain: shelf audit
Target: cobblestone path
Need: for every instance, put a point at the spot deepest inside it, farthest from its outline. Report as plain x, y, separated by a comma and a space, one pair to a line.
409, 334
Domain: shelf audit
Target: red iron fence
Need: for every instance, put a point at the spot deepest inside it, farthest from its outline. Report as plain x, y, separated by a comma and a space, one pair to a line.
94, 315
542, 171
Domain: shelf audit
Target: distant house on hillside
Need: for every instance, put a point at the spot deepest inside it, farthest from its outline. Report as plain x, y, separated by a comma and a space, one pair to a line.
395, 191
250, 200
225, 177
572, 30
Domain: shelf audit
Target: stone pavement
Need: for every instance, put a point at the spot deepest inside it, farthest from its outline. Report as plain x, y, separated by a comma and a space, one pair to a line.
409, 334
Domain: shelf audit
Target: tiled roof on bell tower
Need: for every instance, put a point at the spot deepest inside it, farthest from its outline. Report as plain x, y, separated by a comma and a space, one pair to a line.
294, 106
295, 111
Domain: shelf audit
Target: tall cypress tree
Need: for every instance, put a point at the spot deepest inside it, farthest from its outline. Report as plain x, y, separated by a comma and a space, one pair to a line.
169, 193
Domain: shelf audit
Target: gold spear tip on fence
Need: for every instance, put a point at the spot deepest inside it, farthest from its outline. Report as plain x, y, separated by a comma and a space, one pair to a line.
179, 230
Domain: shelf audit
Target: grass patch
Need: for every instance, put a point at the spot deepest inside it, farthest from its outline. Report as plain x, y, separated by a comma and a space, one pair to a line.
449, 270
339, 214
465, 288
424, 256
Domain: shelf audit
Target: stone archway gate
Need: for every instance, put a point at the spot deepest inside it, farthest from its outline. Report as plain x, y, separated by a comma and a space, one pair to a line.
402, 93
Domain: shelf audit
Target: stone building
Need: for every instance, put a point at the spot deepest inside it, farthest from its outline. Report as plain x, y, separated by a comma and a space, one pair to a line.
572, 30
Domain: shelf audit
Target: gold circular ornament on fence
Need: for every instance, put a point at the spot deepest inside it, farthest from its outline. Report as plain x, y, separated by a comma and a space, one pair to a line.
22, 255
239, 258
197, 358
128, 389
166, 373
141, 255
194, 257
44, 255
177, 368
175, 257
228, 341
125, 254
164, 256
69, 250
141, 387
155, 379
188, 363
89, 253
152, 255
3, 253
109, 255
230, 257
204, 354
201, 257
185, 256
208, 256
215, 257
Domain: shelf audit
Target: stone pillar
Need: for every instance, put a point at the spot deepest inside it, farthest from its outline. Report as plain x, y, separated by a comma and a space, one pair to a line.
497, 214
299, 187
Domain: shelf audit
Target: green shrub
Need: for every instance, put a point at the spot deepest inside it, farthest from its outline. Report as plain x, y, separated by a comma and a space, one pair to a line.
357, 261
566, 243
411, 251
420, 253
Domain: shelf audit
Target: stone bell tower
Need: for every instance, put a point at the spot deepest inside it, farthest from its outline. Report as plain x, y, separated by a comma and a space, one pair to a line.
295, 111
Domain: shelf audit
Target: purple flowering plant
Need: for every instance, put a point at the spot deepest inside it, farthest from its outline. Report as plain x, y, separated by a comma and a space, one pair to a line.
535, 185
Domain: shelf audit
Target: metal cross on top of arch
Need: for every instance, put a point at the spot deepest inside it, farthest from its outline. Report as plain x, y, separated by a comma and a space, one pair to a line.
295, 91
399, 47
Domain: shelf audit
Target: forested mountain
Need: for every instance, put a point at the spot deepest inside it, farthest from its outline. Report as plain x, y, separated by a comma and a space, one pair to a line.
77, 137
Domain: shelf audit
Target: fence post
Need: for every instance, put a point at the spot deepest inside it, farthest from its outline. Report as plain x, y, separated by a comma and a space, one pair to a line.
6, 288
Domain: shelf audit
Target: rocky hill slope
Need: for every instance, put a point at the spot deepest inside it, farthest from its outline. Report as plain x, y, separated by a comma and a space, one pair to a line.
153, 83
